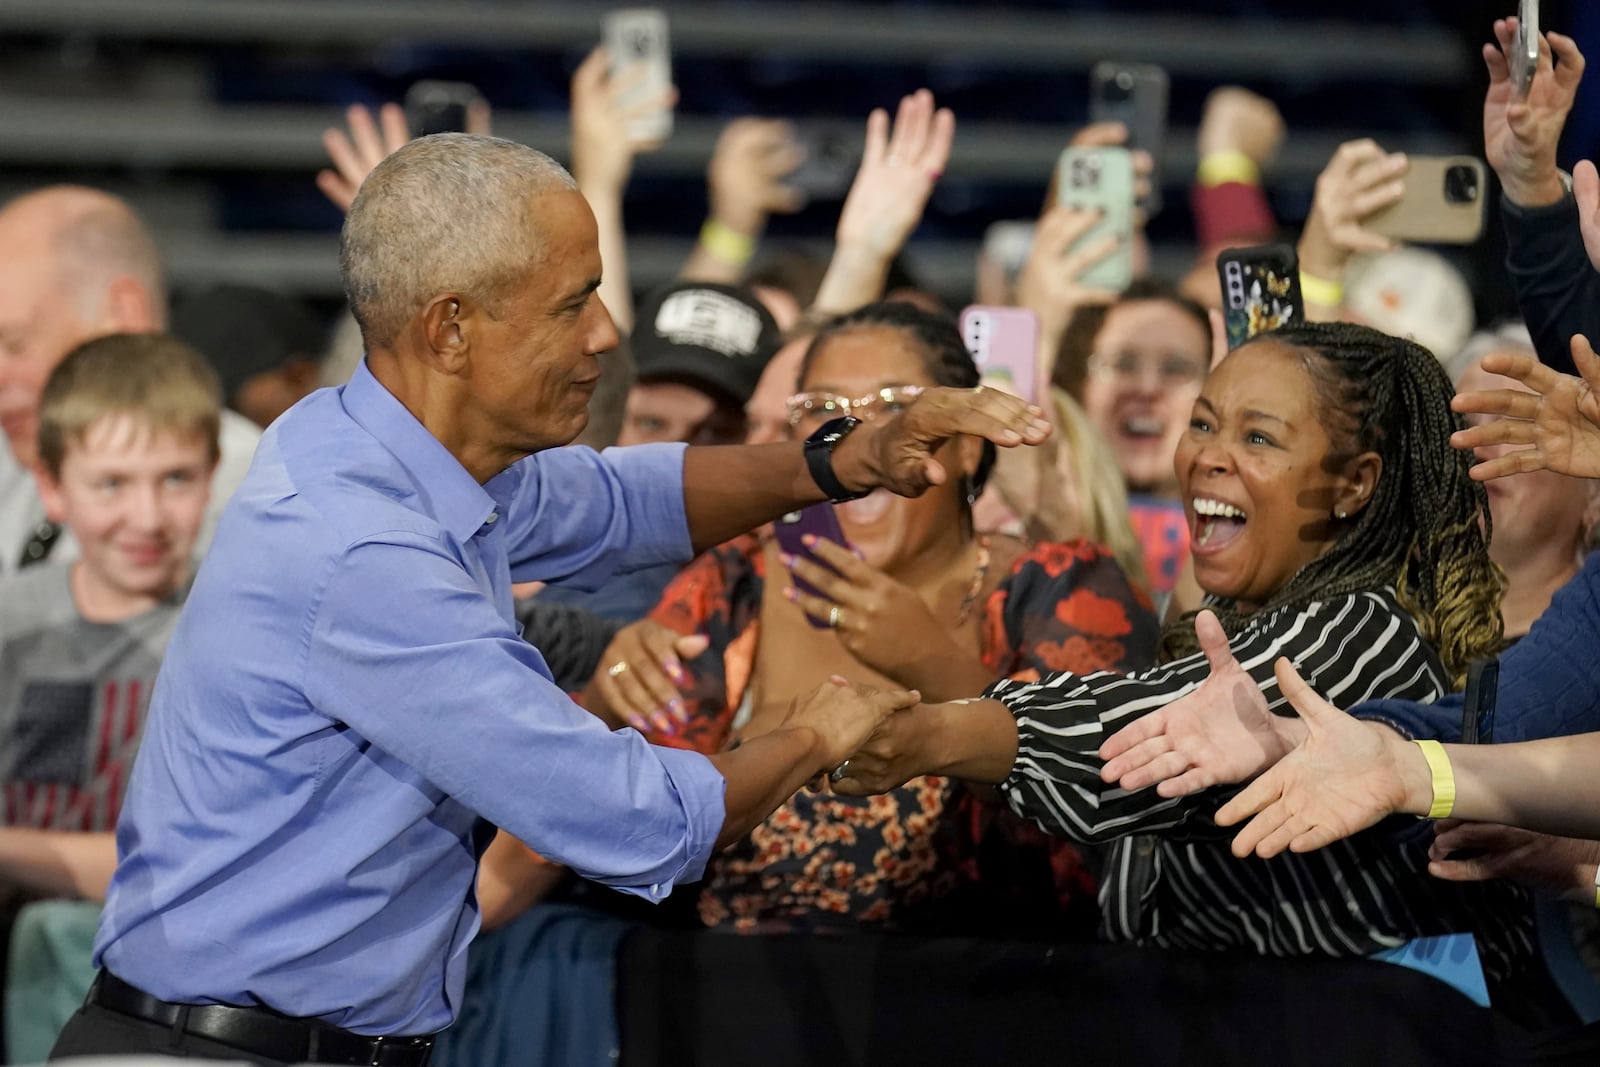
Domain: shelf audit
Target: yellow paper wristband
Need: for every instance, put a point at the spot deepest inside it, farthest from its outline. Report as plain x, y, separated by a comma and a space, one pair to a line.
726, 243
1228, 165
1321, 291
1444, 779
1597, 887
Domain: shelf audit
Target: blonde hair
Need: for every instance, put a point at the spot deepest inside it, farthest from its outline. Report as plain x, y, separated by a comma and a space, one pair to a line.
1102, 493
154, 378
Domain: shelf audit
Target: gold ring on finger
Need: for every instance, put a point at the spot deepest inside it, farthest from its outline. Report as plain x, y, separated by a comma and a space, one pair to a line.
833, 617
617, 668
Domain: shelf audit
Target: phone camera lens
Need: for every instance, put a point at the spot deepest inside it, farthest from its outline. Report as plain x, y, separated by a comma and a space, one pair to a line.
1461, 184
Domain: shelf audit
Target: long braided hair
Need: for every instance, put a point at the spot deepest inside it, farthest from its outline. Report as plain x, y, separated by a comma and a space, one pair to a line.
1425, 530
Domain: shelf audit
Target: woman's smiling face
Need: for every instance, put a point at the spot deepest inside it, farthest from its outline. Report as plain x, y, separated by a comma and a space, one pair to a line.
1260, 477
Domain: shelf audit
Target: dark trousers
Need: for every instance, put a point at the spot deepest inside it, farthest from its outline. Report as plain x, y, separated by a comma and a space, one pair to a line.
97, 1031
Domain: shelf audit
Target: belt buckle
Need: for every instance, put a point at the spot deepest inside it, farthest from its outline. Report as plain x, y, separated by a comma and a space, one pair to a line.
383, 1042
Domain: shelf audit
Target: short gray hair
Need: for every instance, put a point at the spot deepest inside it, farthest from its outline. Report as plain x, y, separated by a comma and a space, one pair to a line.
445, 213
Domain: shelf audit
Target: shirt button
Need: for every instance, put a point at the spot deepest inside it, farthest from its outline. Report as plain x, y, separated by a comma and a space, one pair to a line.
493, 515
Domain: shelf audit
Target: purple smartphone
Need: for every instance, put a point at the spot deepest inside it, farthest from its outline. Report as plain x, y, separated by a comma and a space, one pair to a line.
820, 520
1004, 343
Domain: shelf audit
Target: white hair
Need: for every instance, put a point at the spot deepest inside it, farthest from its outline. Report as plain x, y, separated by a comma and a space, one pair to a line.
445, 213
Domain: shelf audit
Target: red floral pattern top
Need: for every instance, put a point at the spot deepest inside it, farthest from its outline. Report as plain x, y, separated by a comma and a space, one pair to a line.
905, 858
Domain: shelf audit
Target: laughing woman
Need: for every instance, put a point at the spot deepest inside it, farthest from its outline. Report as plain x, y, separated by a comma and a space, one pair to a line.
923, 599
1332, 523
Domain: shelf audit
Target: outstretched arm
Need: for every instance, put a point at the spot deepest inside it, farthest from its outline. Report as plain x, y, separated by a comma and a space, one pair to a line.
885, 203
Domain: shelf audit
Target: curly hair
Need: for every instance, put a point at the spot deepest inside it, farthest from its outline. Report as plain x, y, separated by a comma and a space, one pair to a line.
1425, 530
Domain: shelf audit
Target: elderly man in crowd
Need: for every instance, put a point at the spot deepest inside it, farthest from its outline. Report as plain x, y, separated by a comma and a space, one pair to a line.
347, 710
78, 264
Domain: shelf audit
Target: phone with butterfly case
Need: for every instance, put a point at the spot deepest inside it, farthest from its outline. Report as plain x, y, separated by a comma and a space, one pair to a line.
790, 532
1004, 343
1101, 179
1260, 290
638, 35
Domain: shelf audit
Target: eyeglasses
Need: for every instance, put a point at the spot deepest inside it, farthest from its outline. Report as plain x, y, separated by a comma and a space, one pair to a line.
818, 407
1172, 370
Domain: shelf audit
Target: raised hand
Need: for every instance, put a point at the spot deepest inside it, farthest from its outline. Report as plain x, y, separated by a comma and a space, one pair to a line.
1346, 776
354, 155
1220, 733
641, 677
897, 453
1360, 178
1563, 866
602, 146
1049, 284
898, 170
1237, 120
843, 715
745, 177
1519, 136
1559, 421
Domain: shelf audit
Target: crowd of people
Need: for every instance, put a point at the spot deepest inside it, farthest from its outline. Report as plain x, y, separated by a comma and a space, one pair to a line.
317, 658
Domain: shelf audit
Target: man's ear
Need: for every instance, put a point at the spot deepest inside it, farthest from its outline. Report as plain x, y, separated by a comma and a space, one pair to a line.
446, 332
50, 492
1361, 476
130, 307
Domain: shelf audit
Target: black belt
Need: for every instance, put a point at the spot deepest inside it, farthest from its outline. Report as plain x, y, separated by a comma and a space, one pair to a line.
261, 1032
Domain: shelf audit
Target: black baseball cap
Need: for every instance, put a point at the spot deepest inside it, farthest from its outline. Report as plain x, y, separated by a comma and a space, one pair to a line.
715, 338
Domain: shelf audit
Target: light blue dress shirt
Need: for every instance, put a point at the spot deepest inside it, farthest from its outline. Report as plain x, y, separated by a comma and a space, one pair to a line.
347, 705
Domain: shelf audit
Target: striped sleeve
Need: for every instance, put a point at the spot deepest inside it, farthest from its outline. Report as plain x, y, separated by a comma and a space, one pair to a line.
1348, 648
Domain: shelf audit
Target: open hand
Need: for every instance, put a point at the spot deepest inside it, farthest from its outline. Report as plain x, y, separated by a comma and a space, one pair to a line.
1346, 776
843, 715
1519, 136
641, 677
1220, 733
897, 174
897, 453
1559, 421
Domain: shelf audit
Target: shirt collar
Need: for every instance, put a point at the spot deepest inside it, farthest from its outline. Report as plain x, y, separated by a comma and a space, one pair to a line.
449, 494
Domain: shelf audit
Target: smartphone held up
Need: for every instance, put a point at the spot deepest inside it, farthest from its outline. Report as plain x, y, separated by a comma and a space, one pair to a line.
790, 532
1260, 290
636, 44
1004, 343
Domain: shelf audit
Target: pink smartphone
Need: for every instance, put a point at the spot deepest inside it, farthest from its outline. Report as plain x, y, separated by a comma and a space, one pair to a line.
818, 519
1004, 343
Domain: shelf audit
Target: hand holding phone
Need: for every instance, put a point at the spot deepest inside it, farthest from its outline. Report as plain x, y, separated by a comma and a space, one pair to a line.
1443, 202
820, 521
1004, 343
637, 47
1101, 179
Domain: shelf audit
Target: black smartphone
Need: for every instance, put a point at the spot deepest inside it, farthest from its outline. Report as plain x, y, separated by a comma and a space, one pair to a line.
1477, 709
1260, 290
1134, 94
439, 107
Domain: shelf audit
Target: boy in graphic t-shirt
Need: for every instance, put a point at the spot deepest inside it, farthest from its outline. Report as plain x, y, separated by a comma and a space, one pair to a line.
127, 445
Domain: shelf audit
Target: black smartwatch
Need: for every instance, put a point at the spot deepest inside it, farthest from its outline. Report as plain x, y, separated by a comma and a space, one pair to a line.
819, 457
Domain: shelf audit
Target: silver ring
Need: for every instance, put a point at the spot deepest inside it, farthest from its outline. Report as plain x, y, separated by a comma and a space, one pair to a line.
840, 772
620, 667
833, 622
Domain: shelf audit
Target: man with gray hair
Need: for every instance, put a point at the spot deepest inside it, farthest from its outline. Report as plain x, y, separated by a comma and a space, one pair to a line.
77, 264
346, 711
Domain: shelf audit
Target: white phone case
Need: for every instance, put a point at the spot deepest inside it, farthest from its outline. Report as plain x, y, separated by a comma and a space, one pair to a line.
639, 35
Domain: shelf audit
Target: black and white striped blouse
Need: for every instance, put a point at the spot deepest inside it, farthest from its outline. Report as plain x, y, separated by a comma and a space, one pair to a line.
1183, 888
